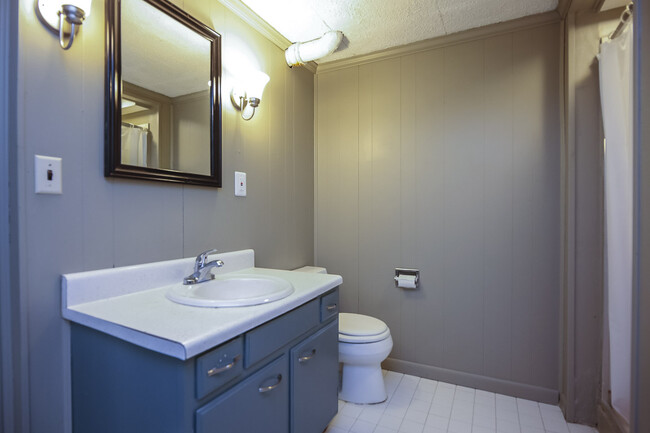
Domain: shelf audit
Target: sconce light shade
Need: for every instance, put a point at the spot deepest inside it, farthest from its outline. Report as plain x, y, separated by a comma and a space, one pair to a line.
256, 82
55, 13
249, 95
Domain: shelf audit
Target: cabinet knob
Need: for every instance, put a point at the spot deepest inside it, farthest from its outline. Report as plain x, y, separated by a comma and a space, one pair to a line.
216, 370
305, 358
331, 307
264, 389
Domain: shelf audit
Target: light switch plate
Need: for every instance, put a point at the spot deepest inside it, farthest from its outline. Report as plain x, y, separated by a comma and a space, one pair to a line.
240, 184
47, 175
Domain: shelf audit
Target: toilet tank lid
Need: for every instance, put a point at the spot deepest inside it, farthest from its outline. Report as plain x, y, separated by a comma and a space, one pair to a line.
312, 270
359, 324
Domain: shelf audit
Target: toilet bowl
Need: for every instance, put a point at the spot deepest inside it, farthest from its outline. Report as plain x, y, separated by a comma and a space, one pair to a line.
364, 342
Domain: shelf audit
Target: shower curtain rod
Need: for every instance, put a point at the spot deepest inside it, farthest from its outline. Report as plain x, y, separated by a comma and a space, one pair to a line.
625, 16
131, 125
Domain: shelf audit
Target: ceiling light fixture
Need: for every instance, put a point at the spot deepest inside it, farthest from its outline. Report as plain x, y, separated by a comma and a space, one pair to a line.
303, 52
55, 13
248, 95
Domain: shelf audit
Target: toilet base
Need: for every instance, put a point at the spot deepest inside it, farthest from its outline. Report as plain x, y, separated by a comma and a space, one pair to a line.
363, 384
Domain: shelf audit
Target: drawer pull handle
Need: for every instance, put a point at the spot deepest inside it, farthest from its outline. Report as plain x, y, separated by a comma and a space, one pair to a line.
216, 370
331, 307
305, 358
264, 389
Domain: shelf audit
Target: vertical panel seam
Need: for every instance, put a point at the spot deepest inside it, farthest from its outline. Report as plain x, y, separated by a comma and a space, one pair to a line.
404, 345
483, 207
358, 260
183, 220
512, 195
315, 171
444, 232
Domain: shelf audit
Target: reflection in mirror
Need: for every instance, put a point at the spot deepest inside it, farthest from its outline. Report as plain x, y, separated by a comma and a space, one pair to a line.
165, 76
168, 112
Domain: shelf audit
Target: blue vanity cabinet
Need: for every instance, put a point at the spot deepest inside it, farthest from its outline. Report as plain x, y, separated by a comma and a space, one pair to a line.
280, 377
121, 387
258, 404
314, 384
329, 305
271, 336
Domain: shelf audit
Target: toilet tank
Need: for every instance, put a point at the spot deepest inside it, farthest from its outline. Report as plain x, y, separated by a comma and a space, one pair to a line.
312, 270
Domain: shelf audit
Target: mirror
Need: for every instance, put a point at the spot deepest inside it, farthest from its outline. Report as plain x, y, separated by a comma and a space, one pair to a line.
163, 96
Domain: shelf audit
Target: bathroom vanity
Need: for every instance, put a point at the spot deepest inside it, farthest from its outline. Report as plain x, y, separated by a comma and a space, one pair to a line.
142, 363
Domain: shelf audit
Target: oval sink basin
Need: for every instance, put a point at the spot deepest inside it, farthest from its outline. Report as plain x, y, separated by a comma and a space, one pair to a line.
238, 290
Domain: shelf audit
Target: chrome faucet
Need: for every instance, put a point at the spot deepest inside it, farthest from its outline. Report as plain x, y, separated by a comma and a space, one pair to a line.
202, 269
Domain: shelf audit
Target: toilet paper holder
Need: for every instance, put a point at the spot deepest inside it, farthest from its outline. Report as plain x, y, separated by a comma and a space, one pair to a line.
401, 272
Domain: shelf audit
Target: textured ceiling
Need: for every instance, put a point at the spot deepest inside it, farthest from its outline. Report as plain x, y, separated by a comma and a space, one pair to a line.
373, 25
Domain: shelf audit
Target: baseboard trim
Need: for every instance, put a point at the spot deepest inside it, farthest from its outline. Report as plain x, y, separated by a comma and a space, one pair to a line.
530, 392
609, 421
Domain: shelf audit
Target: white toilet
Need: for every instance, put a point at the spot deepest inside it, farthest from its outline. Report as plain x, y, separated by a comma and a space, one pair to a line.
364, 342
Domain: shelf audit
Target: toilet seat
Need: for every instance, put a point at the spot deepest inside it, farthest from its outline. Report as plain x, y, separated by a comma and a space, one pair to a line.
358, 328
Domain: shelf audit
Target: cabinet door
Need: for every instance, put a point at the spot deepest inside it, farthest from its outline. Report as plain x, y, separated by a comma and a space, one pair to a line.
257, 405
314, 384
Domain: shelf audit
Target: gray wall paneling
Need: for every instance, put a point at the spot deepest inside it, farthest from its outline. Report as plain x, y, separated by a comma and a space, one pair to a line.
379, 211
498, 233
462, 262
101, 223
454, 154
537, 149
427, 189
13, 395
337, 173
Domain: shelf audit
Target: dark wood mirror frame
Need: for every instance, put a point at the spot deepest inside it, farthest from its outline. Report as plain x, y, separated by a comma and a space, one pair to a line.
113, 166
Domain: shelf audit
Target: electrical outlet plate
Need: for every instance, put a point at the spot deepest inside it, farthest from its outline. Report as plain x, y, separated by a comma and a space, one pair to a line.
47, 175
240, 184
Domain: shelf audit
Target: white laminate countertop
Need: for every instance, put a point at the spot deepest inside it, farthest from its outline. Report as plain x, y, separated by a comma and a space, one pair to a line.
120, 302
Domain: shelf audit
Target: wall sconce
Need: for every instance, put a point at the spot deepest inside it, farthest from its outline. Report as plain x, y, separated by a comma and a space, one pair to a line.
55, 13
247, 96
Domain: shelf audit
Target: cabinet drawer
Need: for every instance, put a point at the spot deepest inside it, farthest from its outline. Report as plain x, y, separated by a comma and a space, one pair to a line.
267, 338
219, 366
258, 404
314, 385
329, 305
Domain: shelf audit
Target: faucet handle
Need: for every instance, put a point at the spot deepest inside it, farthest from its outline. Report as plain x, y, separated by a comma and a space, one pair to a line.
201, 258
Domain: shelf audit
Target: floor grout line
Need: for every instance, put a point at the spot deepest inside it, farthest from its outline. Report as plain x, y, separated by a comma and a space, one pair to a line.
447, 408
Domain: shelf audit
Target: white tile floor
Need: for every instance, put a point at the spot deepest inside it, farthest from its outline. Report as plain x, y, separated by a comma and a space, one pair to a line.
418, 405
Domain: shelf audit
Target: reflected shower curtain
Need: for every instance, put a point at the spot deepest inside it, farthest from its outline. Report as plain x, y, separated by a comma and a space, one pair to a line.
616, 99
134, 146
